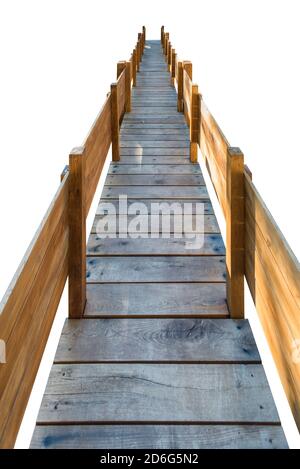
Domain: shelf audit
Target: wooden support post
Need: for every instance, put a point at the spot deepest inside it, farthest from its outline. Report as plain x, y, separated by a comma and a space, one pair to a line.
169, 55
194, 124
235, 224
180, 88
140, 40
128, 87
115, 122
120, 67
137, 57
166, 44
173, 66
134, 67
162, 32
77, 233
188, 67
144, 37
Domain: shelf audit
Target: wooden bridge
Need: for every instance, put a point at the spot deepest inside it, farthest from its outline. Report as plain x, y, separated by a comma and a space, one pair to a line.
156, 352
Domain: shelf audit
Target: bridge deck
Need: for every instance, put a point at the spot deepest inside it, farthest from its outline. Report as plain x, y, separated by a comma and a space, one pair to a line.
156, 362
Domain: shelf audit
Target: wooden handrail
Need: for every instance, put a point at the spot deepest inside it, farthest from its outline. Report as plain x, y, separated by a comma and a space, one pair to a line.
255, 247
58, 250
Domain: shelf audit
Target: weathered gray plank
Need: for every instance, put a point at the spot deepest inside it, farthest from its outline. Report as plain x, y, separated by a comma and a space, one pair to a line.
157, 138
159, 437
152, 131
153, 206
142, 152
156, 300
162, 127
156, 269
157, 340
154, 180
196, 245
152, 192
154, 169
140, 143
157, 393
157, 160
210, 224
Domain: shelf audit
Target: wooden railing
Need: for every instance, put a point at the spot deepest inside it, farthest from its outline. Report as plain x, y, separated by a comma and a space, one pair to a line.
56, 252
255, 247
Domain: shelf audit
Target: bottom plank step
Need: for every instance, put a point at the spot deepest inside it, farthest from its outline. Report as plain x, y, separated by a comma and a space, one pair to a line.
159, 437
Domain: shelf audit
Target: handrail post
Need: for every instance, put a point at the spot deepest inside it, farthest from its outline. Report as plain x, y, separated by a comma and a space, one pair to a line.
115, 122
120, 67
169, 56
128, 87
194, 124
144, 37
140, 46
188, 67
77, 233
180, 88
166, 44
138, 52
173, 65
162, 32
134, 67
235, 224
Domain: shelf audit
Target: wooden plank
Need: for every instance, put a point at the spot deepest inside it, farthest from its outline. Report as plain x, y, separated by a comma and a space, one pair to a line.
27, 312
152, 206
154, 169
235, 227
157, 160
272, 293
163, 127
96, 148
142, 152
154, 180
198, 245
156, 300
159, 437
156, 269
152, 192
157, 340
157, 393
210, 224
146, 131
160, 139
77, 233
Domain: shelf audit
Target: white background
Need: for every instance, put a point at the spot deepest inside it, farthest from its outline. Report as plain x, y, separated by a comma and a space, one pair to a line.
58, 59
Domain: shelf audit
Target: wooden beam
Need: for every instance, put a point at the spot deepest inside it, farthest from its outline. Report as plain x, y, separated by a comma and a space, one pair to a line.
140, 42
188, 67
235, 223
138, 53
120, 67
194, 124
169, 56
144, 37
173, 65
162, 32
64, 172
134, 66
180, 88
115, 122
128, 87
77, 233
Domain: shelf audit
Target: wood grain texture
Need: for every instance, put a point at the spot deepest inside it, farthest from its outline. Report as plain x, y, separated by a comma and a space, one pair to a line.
159, 192
159, 437
157, 393
27, 312
214, 148
188, 245
154, 180
156, 300
157, 340
162, 169
96, 148
269, 263
156, 269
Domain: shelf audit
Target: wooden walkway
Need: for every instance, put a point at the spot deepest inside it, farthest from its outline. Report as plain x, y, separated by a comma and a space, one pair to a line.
156, 362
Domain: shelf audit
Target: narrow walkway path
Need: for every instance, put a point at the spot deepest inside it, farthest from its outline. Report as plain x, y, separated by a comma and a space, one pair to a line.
156, 362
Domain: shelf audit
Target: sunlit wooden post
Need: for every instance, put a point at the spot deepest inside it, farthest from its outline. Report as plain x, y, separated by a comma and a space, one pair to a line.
115, 122
166, 45
140, 46
134, 67
169, 56
138, 51
128, 86
144, 37
235, 225
77, 233
120, 67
